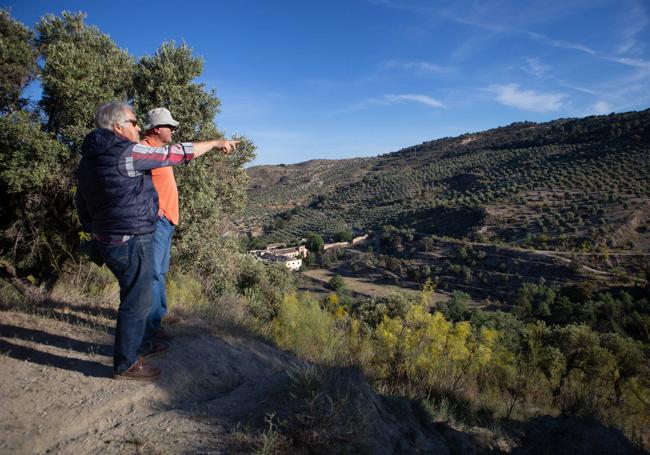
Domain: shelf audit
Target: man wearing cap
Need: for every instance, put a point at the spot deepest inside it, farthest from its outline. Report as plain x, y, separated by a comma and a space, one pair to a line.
159, 126
118, 204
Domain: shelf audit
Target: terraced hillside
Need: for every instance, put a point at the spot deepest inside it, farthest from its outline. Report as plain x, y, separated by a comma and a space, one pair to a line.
569, 185
281, 193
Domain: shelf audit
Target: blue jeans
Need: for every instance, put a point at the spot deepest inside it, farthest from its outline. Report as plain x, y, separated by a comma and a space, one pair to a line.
162, 241
132, 265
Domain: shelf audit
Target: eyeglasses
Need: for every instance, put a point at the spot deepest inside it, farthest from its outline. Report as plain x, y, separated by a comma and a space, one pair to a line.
131, 121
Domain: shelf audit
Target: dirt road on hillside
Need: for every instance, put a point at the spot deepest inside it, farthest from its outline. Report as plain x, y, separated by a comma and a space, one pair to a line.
359, 285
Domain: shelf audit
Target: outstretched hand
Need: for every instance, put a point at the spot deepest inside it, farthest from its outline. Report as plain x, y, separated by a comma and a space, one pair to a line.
205, 146
227, 146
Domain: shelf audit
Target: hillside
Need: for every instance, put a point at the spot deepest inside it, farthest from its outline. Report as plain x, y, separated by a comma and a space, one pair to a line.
565, 184
223, 392
220, 392
497, 299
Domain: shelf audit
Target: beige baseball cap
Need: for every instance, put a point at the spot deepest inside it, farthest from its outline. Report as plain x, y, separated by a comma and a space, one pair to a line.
157, 117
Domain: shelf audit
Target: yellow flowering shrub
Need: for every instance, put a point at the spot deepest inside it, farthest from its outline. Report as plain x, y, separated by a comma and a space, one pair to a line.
305, 328
429, 349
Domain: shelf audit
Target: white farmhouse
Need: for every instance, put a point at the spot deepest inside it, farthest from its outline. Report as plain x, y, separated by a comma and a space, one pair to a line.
291, 257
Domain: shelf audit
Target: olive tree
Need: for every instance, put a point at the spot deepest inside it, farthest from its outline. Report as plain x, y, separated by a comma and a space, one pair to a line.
81, 68
18, 61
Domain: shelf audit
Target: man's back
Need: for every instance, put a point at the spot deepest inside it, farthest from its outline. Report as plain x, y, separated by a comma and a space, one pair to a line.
116, 203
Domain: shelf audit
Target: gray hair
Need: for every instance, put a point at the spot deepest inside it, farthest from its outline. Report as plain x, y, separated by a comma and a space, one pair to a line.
111, 113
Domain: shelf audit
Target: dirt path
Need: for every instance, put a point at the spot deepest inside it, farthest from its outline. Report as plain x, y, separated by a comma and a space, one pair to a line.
559, 255
58, 397
359, 285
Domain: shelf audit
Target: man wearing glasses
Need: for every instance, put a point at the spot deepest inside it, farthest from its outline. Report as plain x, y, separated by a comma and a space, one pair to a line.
118, 204
159, 126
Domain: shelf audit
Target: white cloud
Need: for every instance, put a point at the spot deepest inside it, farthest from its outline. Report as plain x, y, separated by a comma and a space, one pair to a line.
578, 88
600, 108
388, 100
418, 66
497, 17
422, 99
635, 21
633, 62
535, 67
528, 100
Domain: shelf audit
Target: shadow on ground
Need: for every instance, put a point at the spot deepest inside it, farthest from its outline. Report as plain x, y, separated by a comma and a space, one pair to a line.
85, 367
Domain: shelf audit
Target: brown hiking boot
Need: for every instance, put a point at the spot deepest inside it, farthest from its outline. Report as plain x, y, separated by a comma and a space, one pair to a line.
139, 371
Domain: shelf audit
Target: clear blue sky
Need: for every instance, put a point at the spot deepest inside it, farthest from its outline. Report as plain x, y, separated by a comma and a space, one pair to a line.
346, 78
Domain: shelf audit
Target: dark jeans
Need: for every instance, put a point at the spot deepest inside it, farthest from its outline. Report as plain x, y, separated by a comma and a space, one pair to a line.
132, 265
162, 241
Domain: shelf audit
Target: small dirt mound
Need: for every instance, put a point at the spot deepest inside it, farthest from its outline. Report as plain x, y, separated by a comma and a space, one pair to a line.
330, 410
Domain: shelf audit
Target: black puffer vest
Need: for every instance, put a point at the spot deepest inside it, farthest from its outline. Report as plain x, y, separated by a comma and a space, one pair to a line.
116, 203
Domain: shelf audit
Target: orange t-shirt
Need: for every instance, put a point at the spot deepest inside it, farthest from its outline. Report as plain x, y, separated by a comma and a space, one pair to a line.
165, 184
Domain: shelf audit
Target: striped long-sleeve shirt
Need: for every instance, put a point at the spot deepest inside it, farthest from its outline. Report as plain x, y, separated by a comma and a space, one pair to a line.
144, 158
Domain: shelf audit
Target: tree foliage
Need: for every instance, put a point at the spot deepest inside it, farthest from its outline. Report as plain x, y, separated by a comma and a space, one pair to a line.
345, 235
18, 61
166, 79
35, 177
315, 243
213, 189
80, 68
498, 363
337, 283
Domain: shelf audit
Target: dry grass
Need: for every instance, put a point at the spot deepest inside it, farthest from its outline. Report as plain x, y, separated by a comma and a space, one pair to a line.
85, 282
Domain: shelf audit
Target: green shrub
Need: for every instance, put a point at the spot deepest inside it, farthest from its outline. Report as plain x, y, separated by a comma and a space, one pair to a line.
310, 331
184, 291
337, 283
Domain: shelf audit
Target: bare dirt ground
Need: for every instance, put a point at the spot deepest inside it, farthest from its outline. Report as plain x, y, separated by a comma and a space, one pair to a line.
359, 285
58, 396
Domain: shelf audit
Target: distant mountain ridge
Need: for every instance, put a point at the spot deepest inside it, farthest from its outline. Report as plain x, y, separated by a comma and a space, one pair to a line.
525, 182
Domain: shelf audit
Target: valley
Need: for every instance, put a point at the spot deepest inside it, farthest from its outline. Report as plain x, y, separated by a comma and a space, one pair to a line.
565, 202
